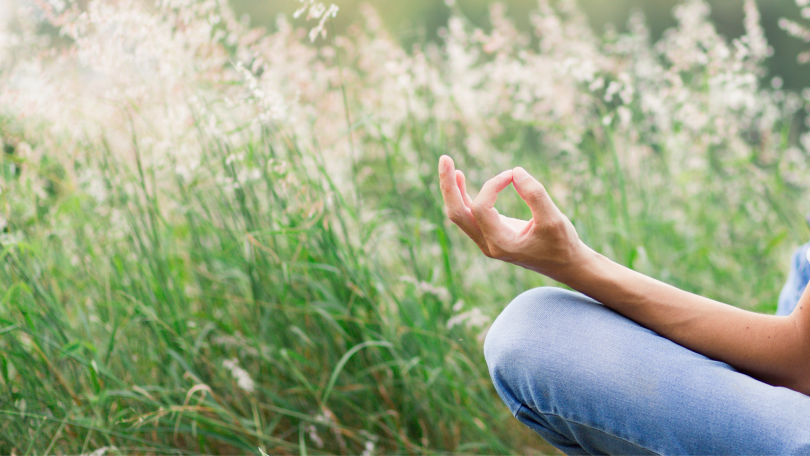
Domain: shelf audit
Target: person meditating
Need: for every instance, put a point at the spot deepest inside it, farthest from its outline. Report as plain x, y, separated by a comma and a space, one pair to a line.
631, 365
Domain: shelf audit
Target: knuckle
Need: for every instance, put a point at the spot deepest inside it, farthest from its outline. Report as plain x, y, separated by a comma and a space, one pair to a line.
537, 193
552, 225
558, 224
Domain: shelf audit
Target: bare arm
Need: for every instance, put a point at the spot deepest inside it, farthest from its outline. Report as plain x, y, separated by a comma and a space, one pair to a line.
770, 348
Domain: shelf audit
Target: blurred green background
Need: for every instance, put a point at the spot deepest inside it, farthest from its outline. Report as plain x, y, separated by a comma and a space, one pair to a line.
419, 20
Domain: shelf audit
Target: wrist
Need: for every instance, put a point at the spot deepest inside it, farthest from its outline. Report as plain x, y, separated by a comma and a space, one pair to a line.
581, 263
572, 267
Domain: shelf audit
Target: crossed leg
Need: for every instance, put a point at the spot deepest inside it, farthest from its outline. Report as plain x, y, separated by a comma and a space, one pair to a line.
591, 381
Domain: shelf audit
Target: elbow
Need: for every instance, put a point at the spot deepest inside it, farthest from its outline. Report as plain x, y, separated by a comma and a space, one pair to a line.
801, 385
797, 372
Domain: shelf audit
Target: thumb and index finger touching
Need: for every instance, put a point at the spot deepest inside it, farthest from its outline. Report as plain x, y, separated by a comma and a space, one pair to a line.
483, 207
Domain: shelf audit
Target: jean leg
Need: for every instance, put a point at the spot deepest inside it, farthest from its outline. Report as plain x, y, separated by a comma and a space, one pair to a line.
591, 381
797, 280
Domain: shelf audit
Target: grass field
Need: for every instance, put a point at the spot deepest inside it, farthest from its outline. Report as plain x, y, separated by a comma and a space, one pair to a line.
221, 240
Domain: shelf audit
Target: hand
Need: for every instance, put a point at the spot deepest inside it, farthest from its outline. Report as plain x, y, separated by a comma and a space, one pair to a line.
548, 243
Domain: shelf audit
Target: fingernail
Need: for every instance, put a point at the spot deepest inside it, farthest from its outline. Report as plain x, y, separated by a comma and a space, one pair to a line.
518, 174
442, 164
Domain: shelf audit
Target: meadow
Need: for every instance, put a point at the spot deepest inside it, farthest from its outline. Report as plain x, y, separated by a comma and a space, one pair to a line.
226, 240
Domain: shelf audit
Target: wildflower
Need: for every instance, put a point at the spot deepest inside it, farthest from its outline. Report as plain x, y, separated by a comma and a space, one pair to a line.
313, 435
472, 319
754, 34
101, 451
423, 287
317, 10
327, 418
11, 238
370, 444
243, 379
270, 103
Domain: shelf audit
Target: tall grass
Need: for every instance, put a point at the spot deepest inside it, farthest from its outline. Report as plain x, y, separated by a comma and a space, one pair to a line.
122, 340
294, 286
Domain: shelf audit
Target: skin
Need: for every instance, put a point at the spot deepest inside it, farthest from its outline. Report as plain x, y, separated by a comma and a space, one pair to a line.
773, 349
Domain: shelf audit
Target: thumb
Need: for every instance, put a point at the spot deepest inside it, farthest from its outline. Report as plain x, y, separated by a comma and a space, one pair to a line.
534, 194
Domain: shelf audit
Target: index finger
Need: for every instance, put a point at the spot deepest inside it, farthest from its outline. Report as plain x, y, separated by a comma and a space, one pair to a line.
483, 206
447, 182
489, 192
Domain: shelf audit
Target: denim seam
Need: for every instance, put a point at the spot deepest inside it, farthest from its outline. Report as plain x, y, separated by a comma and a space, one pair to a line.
588, 426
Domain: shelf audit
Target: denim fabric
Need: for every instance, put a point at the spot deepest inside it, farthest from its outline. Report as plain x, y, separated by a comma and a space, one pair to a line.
591, 381
797, 280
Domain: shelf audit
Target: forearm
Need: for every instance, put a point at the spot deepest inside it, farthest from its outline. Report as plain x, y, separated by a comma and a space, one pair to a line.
770, 348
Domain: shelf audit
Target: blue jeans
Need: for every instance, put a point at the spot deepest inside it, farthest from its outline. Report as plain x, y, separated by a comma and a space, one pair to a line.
591, 381
797, 280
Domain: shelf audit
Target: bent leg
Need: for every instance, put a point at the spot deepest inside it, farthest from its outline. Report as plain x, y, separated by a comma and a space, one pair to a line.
797, 280
591, 381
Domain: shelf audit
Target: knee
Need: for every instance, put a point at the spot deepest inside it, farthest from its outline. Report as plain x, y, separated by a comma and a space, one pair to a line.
521, 325
533, 335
